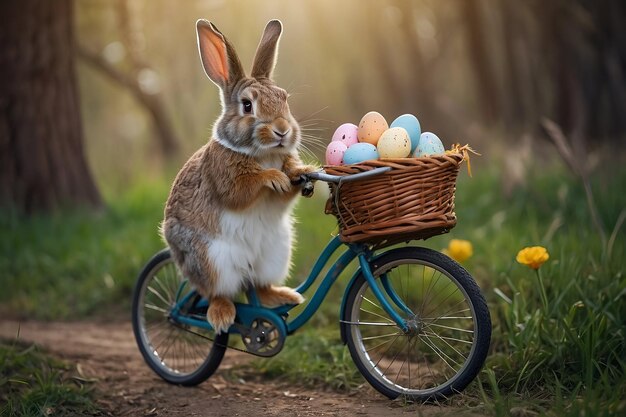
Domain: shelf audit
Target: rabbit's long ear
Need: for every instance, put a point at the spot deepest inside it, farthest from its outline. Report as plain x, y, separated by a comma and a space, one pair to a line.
218, 56
265, 58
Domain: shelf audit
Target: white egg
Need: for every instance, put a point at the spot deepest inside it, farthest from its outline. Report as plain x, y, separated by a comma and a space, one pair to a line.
394, 143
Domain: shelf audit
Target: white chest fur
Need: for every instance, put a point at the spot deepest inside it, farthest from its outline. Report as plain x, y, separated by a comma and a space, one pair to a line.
254, 246
257, 221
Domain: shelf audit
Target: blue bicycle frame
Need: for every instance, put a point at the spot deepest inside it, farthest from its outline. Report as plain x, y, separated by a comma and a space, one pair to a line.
253, 309
247, 312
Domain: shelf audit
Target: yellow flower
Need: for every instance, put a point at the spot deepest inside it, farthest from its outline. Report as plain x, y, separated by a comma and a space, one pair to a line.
533, 256
459, 250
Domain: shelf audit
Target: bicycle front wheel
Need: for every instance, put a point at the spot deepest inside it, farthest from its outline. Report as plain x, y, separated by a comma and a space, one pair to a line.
180, 354
449, 327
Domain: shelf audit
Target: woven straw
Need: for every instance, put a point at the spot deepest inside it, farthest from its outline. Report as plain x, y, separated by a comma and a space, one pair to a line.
414, 200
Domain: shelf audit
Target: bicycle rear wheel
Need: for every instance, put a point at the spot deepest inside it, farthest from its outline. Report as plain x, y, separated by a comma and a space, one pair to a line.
449, 326
178, 353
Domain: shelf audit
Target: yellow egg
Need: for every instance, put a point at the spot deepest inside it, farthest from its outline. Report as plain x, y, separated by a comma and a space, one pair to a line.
372, 125
394, 143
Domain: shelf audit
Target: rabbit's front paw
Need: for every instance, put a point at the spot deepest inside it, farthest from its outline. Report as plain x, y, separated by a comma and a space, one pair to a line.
277, 181
296, 173
298, 178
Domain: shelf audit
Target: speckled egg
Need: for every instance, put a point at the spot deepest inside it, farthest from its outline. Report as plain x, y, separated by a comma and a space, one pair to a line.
371, 126
394, 143
346, 133
360, 152
412, 127
429, 144
334, 153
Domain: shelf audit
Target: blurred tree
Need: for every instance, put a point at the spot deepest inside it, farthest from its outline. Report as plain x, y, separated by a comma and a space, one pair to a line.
563, 59
517, 93
587, 62
42, 162
481, 59
145, 93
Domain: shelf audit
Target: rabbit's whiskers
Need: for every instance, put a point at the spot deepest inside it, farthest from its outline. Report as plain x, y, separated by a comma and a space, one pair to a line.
314, 141
306, 118
308, 153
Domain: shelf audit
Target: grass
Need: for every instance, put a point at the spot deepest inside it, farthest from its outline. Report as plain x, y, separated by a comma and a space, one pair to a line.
34, 384
565, 358
74, 263
322, 361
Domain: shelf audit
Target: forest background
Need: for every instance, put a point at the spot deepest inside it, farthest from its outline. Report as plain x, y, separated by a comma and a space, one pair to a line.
537, 88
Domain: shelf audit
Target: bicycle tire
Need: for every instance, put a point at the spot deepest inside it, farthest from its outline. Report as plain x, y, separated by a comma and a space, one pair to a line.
455, 353
155, 292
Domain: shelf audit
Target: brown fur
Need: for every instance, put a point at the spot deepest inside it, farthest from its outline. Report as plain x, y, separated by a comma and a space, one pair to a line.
251, 158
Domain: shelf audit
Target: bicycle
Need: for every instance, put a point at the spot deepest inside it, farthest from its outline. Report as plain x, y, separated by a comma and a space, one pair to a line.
414, 320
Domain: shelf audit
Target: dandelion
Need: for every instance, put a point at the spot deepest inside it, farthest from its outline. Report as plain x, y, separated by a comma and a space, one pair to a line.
460, 250
534, 257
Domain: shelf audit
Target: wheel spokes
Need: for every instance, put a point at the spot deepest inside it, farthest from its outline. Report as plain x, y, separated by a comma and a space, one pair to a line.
178, 350
440, 337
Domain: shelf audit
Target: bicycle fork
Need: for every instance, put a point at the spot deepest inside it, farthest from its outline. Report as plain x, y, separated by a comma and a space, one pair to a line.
388, 290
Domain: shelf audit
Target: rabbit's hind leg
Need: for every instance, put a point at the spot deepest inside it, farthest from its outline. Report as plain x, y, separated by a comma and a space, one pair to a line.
221, 313
273, 296
190, 254
227, 257
272, 267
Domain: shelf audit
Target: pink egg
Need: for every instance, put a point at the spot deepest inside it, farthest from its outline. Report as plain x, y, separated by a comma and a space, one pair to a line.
346, 133
334, 153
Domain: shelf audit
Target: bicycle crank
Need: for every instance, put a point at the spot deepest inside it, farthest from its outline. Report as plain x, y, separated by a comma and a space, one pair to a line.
262, 337
262, 331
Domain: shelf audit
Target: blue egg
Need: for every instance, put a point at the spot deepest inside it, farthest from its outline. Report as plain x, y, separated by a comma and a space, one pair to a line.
429, 144
412, 127
360, 152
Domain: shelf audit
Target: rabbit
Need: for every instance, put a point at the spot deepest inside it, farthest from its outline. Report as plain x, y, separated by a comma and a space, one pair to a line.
228, 219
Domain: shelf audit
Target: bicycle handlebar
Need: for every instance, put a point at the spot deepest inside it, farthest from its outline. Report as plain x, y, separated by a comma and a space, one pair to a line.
323, 176
306, 180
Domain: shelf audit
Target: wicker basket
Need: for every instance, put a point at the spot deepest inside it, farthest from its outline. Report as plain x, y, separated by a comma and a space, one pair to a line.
414, 200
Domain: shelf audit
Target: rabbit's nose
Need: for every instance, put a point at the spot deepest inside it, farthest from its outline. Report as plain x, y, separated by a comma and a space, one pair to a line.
281, 127
282, 134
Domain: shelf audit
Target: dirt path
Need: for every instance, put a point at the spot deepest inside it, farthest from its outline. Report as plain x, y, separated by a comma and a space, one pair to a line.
126, 386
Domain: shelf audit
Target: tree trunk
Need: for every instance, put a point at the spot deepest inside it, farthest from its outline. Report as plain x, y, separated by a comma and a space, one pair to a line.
42, 161
481, 60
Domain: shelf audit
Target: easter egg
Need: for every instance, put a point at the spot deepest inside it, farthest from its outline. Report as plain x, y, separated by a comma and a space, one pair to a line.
394, 143
346, 133
371, 126
429, 144
360, 152
412, 127
334, 152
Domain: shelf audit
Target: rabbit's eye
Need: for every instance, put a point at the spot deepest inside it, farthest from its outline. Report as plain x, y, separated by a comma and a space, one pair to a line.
247, 106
